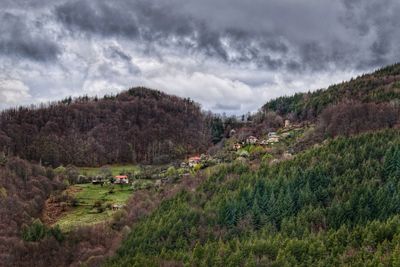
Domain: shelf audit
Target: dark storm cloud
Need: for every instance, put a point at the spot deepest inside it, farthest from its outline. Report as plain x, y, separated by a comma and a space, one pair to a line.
317, 33
18, 39
263, 48
101, 17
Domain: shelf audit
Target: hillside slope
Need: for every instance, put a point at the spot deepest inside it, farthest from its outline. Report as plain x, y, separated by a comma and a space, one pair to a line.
24, 188
381, 86
138, 125
329, 206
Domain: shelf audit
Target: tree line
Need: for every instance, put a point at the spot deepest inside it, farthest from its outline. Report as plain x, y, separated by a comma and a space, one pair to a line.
138, 125
381, 86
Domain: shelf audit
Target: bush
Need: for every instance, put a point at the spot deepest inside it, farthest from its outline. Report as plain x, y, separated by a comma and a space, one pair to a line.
97, 203
3, 159
60, 171
197, 167
56, 233
3, 192
243, 153
106, 172
38, 231
35, 232
74, 202
267, 157
111, 191
171, 171
118, 219
139, 185
98, 206
72, 174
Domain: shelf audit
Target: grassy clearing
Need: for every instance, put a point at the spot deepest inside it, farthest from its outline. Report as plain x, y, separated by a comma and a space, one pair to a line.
87, 195
115, 169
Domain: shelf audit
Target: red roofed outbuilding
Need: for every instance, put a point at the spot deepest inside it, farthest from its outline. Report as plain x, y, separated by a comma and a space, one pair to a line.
121, 179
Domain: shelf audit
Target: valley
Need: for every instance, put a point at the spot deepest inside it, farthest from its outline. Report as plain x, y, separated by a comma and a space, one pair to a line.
308, 180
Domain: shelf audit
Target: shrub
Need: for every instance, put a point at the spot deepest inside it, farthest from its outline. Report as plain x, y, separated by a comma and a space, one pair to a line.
98, 206
267, 157
56, 233
97, 203
74, 202
38, 231
171, 171
3, 159
35, 232
111, 191
3, 192
197, 167
106, 172
243, 153
139, 185
60, 171
72, 174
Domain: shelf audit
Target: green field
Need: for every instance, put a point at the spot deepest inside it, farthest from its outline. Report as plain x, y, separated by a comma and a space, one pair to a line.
115, 169
87, 195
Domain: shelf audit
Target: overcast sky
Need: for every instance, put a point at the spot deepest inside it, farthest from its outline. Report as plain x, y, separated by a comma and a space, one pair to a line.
229, 55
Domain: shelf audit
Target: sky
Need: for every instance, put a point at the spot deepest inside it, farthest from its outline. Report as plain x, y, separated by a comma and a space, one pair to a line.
231, 56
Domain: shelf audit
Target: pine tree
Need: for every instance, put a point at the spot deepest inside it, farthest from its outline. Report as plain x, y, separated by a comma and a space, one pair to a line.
392, 162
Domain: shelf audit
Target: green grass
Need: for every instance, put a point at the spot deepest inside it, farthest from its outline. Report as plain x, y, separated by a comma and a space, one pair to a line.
87, 196
115, 169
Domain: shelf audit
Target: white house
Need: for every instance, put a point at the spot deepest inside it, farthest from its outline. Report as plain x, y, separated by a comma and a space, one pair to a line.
251, 140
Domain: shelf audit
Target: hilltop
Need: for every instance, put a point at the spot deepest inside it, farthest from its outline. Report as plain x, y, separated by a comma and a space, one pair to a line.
381, 86
139, 125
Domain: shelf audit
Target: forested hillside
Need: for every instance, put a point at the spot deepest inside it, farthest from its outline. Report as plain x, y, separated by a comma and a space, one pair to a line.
338, 204
138, 125
382, 86
24, 188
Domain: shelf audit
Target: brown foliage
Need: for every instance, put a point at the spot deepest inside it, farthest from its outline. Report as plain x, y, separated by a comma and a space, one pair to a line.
351, 118
25, 190
139, 125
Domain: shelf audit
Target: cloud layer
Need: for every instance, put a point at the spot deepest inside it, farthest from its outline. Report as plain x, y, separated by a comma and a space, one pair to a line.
230, 55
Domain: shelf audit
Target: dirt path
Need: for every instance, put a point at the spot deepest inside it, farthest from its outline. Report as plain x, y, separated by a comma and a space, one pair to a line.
53, 210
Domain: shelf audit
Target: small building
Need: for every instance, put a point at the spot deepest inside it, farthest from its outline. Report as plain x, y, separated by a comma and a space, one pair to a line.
193, 161
251, 140
121, 179
273, 140
272, 134
264, 142
98, 180
286, 135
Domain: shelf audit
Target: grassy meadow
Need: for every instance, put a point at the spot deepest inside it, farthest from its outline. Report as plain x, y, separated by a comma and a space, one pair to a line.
115, 169
87, 195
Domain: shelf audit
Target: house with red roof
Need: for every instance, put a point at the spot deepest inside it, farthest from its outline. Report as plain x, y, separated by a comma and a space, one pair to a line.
121, 179
193, 161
